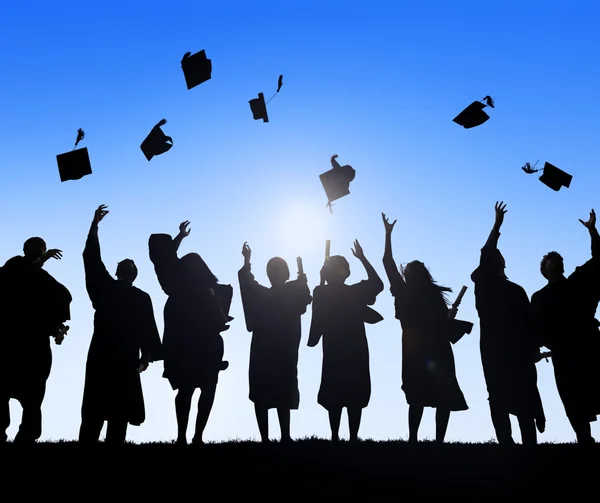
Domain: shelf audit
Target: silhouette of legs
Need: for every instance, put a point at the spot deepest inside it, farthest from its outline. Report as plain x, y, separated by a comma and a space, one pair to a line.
262, 419
415, 414
442, 416
501, 421
30, 428
284, 424
354, 417
582, 429
335, 416
116, 432
90, 429
183, 403
528, 431
205, 403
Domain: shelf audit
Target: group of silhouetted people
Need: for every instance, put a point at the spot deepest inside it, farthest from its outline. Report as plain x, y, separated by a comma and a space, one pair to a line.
561, 317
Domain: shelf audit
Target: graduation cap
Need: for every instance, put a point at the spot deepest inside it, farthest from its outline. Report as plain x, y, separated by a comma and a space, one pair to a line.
259, 105
474, 115
156, 142
552, 176
336, 181
196, 68
75, 164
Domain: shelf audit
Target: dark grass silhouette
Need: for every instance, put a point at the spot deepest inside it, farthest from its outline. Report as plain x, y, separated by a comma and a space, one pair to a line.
308, 468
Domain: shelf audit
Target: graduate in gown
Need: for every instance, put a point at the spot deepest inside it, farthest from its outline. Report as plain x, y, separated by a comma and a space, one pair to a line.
273, 316
508, 344
339, 314
33, 308
195, 314
428, 326
564, 316
124, 342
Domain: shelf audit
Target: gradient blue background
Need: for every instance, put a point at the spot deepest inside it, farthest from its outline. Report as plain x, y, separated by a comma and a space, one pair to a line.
374, 82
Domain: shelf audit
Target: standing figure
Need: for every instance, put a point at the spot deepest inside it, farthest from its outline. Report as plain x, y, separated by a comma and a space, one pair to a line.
564, 316
195, 314
507, 343
339, 314
428, 326
124, 342
33, 308
273, 316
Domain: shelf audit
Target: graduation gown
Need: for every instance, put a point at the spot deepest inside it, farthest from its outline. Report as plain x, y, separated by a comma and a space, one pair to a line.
507, 340
124, 327
32, 306
428, 369
564, 316
273, 316
339, 314
194, 318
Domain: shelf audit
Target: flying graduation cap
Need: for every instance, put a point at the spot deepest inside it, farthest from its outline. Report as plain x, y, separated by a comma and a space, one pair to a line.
474, 115
259, 106
75, 164
156, 142
552, 176
196, 68
336, 181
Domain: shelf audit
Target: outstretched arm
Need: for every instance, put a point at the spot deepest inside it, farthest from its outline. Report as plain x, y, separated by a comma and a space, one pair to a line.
391, 270
183, 233
492, 240
372, 276
92, 259
595, 237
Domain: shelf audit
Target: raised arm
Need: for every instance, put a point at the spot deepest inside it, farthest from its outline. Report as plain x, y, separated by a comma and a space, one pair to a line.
595, 238
376, 285
184, 232
391, 269
249, 290
95, 271
492, 240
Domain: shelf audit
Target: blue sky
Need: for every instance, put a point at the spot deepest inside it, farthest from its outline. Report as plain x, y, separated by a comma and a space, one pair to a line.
377, 83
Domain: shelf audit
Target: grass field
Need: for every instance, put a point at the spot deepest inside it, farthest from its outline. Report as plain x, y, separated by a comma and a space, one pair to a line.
307, 470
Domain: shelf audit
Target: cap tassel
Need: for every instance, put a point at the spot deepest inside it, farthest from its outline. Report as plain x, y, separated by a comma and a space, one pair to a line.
80, 136
279, 84
528, 168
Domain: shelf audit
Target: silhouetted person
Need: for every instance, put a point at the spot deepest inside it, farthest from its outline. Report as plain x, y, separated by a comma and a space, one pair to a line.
273, 316
428, 371
124, 342
507, 343
339, 314
564, 314
33, 308
195, 314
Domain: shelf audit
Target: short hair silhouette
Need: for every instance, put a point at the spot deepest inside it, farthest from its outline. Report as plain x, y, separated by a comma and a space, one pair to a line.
551, 256
278, 264
127, 270
34, 247
336, 265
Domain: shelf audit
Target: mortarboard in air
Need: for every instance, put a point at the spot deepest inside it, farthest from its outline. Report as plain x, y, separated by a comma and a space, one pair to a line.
75, 164
474, 115
197, 68
156, 142
552, 176
336, 181
258, 106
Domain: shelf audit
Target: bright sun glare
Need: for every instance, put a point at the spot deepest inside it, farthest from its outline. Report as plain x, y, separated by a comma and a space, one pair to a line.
302, 229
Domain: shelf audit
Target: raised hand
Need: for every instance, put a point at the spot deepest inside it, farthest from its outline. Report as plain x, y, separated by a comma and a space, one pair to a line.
183, 230
246, 252
357, 251
388, 227
500, 209
591, 223
100, 213
53, 253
